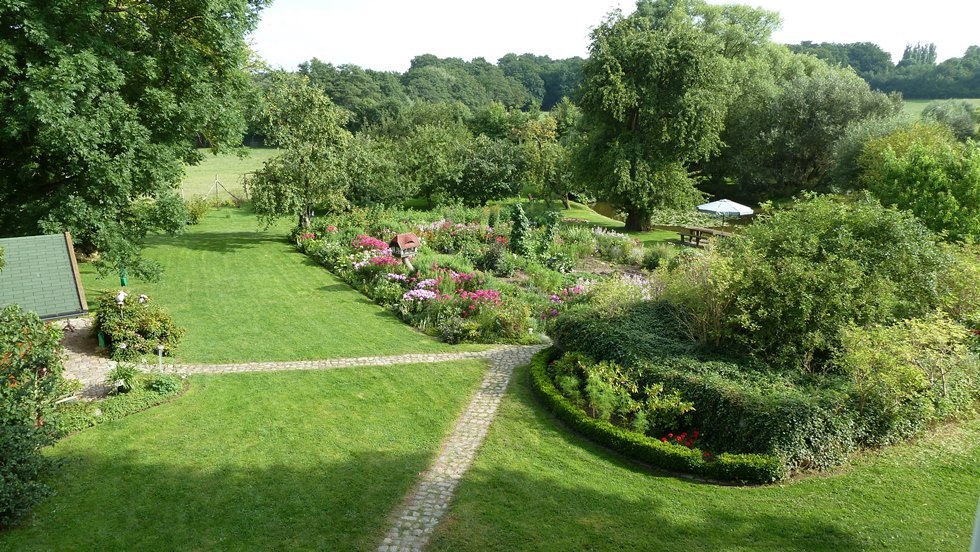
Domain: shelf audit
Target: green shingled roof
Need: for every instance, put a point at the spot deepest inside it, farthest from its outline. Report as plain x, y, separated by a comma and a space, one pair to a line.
40, 275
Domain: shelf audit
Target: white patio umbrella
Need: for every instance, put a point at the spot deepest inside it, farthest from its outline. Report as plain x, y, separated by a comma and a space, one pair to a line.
725, 208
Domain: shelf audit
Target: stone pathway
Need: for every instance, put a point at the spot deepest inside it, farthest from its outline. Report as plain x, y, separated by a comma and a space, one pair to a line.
423, 509
427, 503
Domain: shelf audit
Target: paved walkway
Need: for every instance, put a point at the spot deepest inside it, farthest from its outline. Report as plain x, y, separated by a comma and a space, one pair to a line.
425, 506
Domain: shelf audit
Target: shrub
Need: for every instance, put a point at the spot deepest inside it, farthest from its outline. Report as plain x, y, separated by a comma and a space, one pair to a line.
747, 468
640, 332
122, 377
945, 173
961, 285
800, 276
657, 255
148, 390
520, 232
136, 327
197, 209
30, 384
700, 289
496, 259
909, 374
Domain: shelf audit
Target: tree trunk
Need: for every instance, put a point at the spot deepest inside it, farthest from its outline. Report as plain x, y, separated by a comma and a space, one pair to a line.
636, 219
564, 201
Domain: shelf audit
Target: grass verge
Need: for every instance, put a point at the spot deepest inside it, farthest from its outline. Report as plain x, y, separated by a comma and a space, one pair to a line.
304, 460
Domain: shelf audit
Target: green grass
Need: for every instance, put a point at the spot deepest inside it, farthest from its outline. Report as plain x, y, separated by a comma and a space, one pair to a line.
915, 107
535, 486
311, 460
579, 211
227, 167
247, 295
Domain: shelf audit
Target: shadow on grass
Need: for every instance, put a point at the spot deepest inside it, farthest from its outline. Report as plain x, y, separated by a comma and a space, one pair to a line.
218, 242
554, 509
118, 502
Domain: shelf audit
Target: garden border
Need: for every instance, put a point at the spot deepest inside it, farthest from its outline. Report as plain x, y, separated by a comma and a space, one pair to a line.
739, 468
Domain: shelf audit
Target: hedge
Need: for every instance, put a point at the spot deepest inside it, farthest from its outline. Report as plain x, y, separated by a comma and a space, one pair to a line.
808, 425
743, 468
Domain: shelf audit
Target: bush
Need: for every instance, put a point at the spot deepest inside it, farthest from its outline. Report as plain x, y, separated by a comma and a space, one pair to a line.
122, 377
800, 276
197, 209
658, 255
640, 332
148, 390
520, 232
30, 384
909, 374
751, 409
746, 468
135, 328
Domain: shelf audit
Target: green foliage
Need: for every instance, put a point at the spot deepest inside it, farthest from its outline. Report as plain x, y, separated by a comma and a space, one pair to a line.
123, 377
639, 332
923, 169
136, 328
745, 468
30, 383
741, 408
960, 116
909, 374
310, 170
801, 275
147, 390
1, 258
961, 283
867, 59
699, 287
655, 93
493, 170
197, 209
98, 121
847, 150
520, 232
918, 76
782, 129
658, 255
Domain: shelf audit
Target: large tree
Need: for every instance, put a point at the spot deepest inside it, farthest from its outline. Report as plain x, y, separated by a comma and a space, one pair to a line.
310, 171
654, 98
102, 103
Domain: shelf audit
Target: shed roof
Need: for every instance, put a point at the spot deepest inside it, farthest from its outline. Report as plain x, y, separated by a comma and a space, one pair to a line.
41, 275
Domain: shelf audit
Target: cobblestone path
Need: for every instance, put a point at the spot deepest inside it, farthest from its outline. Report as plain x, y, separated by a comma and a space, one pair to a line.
423, 509
427, 503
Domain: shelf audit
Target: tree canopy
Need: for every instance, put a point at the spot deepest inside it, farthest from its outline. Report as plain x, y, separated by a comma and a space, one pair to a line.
102, 104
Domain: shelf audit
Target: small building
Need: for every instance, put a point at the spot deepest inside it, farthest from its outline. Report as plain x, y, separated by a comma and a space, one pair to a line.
41, 275
405, 245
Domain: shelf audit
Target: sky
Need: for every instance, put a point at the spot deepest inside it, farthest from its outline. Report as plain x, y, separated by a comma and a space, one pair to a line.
387, 34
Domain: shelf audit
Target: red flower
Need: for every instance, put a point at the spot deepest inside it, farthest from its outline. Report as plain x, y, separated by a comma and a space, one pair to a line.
707, 454
671, 435
689, 442
680, 439
664, 439
695, 434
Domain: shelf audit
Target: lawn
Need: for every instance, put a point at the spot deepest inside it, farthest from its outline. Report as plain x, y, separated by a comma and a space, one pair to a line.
227, 167
305, 460
247, 295
535, 486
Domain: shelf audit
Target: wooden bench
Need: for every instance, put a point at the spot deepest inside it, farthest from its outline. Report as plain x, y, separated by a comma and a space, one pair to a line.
696, 235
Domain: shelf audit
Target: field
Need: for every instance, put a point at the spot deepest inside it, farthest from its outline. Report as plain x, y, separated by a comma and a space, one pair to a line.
915, 107
228, 168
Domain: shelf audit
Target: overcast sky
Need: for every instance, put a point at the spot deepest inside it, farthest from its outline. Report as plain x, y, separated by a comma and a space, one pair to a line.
387, 34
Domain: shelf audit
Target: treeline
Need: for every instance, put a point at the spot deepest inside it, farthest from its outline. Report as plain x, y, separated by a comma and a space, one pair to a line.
916, 75
527, 82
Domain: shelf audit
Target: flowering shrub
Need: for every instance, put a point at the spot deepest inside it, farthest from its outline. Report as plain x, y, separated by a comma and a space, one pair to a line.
363, 242
135, 328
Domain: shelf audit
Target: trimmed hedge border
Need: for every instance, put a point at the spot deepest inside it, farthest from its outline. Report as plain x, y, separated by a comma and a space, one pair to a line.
741, 468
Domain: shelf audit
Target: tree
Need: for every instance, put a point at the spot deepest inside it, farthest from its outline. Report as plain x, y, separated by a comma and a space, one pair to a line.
492, 169
923, 169
920, 54
789, 112
103, 103
961, 117
654, 98
310, 172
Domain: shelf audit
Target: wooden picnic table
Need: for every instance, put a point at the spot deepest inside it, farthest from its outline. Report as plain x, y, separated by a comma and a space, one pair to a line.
697, 234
